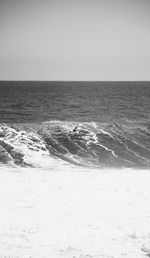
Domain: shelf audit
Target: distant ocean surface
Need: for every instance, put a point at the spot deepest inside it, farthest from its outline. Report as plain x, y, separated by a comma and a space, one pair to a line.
83, 124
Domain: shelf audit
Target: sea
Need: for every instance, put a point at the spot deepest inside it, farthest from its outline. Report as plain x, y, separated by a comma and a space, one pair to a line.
50, 124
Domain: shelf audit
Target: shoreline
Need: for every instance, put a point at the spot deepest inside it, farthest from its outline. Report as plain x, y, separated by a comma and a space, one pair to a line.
74, 213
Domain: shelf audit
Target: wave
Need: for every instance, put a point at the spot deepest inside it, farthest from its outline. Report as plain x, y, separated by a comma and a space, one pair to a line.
53, 143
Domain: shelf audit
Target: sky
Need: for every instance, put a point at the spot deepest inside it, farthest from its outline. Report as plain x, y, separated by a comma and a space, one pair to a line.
75, 40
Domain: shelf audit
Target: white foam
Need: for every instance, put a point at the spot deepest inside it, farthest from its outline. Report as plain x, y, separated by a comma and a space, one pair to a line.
32, 147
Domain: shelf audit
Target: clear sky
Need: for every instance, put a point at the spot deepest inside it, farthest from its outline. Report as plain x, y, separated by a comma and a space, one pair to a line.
74, 39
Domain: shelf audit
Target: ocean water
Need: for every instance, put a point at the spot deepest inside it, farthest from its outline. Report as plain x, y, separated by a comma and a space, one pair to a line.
82, 124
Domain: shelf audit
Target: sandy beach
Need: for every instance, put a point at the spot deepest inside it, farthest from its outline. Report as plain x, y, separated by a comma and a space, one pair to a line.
74, 214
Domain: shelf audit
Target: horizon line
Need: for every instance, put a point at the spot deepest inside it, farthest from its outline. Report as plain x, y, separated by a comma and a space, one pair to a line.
32, 80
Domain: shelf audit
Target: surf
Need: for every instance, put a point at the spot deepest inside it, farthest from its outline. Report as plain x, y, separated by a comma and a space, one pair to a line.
84, 144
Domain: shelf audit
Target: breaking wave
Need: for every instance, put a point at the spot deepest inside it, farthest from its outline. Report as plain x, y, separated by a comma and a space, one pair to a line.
125, 145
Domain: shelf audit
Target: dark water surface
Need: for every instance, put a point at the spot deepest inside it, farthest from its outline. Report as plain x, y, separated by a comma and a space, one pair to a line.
74, 101
92, 124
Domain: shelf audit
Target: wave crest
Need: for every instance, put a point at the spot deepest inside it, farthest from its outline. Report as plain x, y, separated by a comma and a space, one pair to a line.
82, 144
